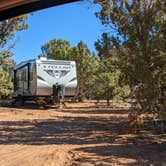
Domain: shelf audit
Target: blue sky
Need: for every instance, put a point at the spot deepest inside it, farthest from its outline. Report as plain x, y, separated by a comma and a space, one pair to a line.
72, 22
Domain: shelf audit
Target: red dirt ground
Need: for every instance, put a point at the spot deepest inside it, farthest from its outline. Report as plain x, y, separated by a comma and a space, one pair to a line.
83, 134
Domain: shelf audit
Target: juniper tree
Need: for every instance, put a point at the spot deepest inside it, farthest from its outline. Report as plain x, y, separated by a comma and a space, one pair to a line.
8, 29
140, 39
57, 49
109, 72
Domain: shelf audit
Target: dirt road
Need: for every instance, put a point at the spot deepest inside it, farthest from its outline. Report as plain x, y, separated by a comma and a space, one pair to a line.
81, 135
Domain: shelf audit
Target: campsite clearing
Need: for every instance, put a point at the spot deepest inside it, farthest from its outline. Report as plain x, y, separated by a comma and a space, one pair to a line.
84, 134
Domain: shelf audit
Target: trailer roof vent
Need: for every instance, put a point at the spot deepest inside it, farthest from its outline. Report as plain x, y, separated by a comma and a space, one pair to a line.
42, 58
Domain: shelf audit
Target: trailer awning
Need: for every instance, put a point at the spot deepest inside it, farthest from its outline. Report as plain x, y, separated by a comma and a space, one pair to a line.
12, 8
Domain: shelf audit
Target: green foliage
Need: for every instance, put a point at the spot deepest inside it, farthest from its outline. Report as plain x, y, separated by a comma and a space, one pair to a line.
8, 28
140, 40
6, 85
109, 71
93, 90
87, 65
57, 49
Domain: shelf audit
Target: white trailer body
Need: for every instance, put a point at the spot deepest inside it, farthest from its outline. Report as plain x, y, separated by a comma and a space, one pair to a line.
37, 77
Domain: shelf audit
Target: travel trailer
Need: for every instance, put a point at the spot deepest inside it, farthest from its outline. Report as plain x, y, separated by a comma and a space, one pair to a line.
45, 78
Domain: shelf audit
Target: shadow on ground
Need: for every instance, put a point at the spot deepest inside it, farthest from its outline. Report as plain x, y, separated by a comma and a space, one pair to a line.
96, 111
126, 154
27, 105
67, 130
98, 136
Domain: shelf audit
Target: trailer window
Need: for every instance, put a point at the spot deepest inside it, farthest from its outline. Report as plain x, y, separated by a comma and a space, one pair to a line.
18, 79
31, 75
24, 75
32, 72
